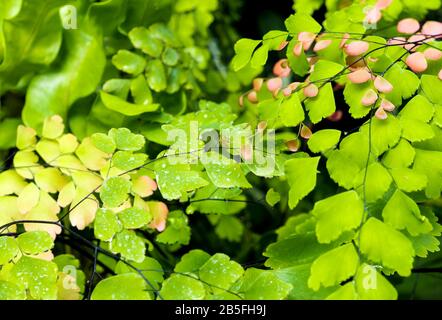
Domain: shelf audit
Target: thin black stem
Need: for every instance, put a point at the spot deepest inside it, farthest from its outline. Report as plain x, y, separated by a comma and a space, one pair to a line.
94, 271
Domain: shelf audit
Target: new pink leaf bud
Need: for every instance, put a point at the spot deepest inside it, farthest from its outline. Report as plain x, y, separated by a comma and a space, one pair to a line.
387, 105
433, 54
382, 4
307, 39
281, 68
311, 90
306, 133
356, 48
369, 98
373, 15
359, 76
432, 28
408, 26
297, 49
257, 84
381, 114
287, 91
293, 145
241, 100
416, 62
252, 97
321, 45
282, 45
383, 85
274, 84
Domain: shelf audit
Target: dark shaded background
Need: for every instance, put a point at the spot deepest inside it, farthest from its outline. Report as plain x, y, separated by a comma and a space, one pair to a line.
259, 16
